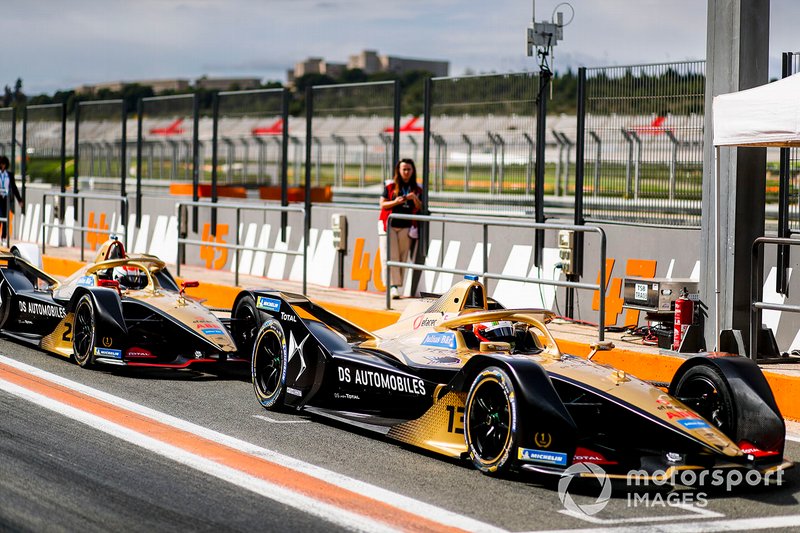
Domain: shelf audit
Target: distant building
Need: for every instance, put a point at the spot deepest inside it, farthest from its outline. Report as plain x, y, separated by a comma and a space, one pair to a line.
227, 84
157, 85
370, 62
315, 65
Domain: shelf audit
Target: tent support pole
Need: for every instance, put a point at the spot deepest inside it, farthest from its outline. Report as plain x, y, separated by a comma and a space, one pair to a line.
717, 240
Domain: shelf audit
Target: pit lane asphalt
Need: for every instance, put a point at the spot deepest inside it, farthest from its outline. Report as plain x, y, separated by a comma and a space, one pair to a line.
224, 402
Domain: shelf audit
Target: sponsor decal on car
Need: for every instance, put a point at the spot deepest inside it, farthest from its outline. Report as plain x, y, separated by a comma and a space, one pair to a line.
440, 339
443, 360
693, 423
425, 322
138, 353
543, 440
85, 281
107, 342
381, 380
108, 352
212, 331
541, 456
269, 304
41, 309
204, 325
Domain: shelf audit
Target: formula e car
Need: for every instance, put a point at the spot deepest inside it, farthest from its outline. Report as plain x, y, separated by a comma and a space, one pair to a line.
119, 310
466, 378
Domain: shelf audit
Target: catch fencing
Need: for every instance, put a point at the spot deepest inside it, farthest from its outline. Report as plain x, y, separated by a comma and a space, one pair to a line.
249, 138
643, 143
353, 134
102, 157
482, 146
8, 135
633, 154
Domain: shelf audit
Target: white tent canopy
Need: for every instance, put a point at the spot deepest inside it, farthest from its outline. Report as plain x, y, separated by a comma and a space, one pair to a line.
768, 115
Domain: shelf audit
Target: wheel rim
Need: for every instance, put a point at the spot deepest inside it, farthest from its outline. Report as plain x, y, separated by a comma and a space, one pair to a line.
489, 422
268, 364
704, 397
246, 326
83, 334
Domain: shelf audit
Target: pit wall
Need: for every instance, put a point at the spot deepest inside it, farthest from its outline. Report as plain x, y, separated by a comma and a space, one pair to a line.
631, 251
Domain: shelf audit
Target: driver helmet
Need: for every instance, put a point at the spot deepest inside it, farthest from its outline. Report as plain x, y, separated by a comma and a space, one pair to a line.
497, 331
130, 277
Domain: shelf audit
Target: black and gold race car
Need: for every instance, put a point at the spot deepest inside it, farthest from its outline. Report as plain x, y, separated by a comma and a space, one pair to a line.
463, 377
119, 309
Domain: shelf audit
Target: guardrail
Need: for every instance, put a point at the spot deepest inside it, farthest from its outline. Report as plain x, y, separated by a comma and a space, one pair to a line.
236, 247
82, 228
485, 223
756, 290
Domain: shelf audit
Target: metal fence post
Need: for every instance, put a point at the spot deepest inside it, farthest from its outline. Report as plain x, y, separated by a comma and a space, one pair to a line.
628, 163
214, 159
528, 163
597, 162
468, 162
309, 135
139, 112
24, 154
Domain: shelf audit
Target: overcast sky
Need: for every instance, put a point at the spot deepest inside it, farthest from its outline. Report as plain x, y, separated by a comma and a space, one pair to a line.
53, 44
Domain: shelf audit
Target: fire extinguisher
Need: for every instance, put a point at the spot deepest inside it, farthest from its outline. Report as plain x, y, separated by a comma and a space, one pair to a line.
684, 316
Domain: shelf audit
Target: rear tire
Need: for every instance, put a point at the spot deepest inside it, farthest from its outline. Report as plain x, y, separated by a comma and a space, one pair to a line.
704, 389
245, 323
83, 332
268, 365
490, 421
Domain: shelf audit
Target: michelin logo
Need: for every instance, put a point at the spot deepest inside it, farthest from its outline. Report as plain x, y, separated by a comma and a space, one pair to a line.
541, 456
108, 352
268, 304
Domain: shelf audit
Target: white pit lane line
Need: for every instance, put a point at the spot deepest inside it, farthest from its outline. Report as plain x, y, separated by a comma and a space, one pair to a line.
276, 421
740, 524
325, 511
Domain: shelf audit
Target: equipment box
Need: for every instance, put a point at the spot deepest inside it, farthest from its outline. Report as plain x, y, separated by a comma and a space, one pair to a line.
656, 295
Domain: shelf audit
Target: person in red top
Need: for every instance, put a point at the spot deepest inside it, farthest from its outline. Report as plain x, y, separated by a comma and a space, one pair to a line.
401, 195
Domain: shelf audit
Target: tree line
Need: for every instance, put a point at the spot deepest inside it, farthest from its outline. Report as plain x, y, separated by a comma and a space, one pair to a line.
486, 93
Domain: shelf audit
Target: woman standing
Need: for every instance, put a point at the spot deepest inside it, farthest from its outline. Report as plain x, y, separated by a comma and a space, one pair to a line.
8, 187
400, 196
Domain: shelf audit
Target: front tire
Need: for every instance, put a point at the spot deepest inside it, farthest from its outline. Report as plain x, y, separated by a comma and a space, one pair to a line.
268, 365
83, 332
490, 421
5, 303
704, 389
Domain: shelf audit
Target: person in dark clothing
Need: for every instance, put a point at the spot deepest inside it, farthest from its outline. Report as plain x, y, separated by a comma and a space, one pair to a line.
7, 187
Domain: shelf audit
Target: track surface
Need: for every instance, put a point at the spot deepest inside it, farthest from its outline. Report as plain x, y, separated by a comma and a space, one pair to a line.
58, 474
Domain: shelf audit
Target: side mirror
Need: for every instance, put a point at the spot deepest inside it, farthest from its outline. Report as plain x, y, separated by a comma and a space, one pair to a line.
495, 346
188, 285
